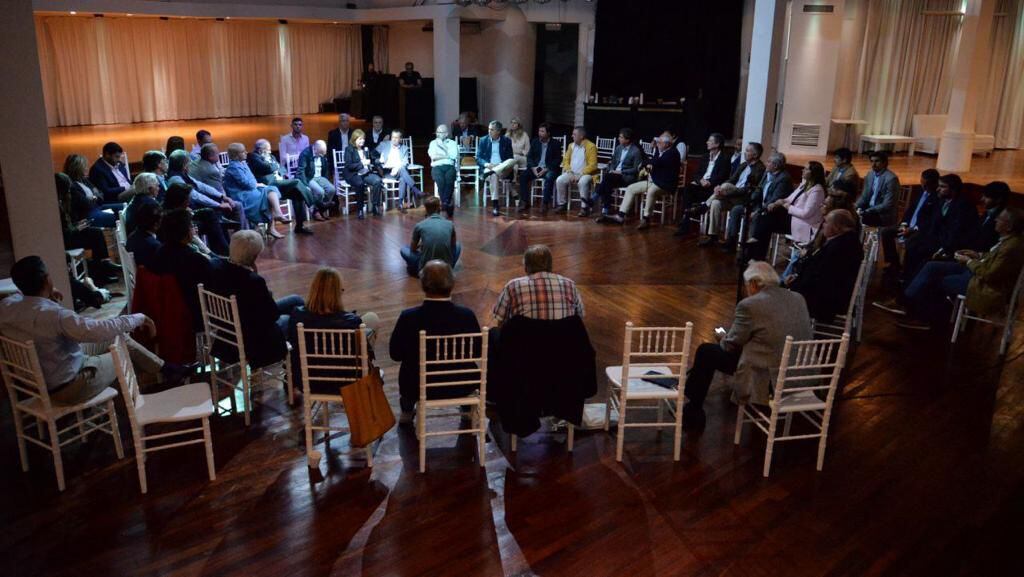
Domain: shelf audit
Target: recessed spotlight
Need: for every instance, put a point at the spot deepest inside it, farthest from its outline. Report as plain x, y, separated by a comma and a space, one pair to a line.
73, 13
129, 14
227, 18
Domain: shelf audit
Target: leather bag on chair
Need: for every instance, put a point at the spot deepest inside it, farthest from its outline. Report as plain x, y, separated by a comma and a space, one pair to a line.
369, 414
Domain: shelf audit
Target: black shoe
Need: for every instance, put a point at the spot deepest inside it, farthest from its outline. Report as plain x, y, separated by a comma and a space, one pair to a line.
729, 245
693, 419
106, 267
173, 374
708, 241
303, 230
362, 214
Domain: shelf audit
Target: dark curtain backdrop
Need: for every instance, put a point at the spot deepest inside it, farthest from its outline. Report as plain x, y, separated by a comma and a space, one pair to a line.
671, 49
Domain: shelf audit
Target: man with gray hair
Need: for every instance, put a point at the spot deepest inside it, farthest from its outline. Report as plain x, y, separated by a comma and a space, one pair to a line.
494, 157
338, 138
752, 347
438, 315
541, 294
775, 185
207, 169
444, 159
146, 187
267, 170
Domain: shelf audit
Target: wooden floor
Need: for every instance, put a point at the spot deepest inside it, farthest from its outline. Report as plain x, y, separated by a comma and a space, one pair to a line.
1007, 165
924, 473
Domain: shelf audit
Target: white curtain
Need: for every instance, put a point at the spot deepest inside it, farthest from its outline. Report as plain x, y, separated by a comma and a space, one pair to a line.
118, 70
380, 49
1001, 108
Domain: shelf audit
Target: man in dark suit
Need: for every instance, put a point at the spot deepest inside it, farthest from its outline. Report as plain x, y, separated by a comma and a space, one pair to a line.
826, 277
494, 157
543, 161
714, 170
264, 320
662, 179
995, 196
775, 184
916, 217
377, 134
877, 204
437, 316
734, 192
623, 170
143, 243
110, 173
339, 138
953, 226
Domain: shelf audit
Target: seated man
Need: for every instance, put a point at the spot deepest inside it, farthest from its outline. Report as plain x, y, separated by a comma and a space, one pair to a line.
775, 185
579, 165
541, 294
71, 376
714, 170
206, 222
623, 170
155, 161
433, 238
494, 157
734, 192
207, 169
918, 215
264, 320
394, 157
877, 204
662, 178
410, 78
267, 170
953, 226
202, 194
109, 173
438, 315
143, 243
826, 276
203, 137
995, 196
843, 168
752, 348
986, 279
377, 134
444, 158
338, 138
541, 162
314, 171
463, 129
294, 142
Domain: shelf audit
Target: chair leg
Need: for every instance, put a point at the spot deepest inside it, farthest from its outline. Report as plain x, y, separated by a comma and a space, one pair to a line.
959, 320
677, 439
81, 427
512, 443
785, 426
421, 430
822, 443
572, 436
620, 435
115, 430
1007, 337
369, 454
481, 436
325, 407
739, 425
307, 414
140, 459
770, 445
288, 379
19, 430
208, 443
58, 460
246, 391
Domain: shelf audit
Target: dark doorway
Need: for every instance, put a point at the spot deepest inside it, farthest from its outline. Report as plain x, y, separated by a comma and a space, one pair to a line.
554, 87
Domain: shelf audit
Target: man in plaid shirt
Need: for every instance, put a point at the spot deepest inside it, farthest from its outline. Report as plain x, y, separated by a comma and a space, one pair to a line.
541, 294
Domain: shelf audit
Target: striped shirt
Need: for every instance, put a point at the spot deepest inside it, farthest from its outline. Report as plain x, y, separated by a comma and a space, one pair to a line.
540, 296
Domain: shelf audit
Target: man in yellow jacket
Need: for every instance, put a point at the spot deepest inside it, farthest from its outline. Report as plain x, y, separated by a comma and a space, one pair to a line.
986, 279
579, 165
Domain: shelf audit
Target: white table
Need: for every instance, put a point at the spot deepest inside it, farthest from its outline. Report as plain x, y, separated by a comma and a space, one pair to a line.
848, 123
893, 139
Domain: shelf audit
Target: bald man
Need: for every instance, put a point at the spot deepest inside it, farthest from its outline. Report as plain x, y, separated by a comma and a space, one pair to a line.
826, 277
444, 160
315, 170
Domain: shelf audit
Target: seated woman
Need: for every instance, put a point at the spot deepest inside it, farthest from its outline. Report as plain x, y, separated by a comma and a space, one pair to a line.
177, 257
174, 143
360, 171
324, 310
81, 234
143, 243
261, 203
86, 200
520, 143
840, 197
804, 204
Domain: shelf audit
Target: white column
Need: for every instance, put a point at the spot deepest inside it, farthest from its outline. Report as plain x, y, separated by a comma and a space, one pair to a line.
969, 77
584, 67
446, 68
25, 148
511, 84
763, 79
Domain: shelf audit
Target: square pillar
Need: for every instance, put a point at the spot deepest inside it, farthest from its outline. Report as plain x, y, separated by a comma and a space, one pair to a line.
446, 68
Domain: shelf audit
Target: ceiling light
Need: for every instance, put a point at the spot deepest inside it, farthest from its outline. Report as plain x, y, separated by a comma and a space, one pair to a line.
73, 12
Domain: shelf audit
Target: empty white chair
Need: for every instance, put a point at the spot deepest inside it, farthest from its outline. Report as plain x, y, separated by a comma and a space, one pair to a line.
806, 368
181, 404
453, 361
331, 358
291, 164
650, 353
605, 148
31, 399
222, 324
467, 173
963, 315
415, 170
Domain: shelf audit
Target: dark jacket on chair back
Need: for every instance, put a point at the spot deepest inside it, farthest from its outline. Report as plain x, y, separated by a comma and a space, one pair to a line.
258, 312
826, 277
538, 368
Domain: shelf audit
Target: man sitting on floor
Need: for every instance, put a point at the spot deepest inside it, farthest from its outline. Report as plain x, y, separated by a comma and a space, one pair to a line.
438, 315
662, 178
752, 348
826, 277
541, 294
986, 279
433, 238
734, 192
72, 376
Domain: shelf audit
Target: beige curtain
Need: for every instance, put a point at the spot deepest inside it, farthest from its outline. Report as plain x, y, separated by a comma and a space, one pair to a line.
117, 70
906, 63
1001, 112
380, 49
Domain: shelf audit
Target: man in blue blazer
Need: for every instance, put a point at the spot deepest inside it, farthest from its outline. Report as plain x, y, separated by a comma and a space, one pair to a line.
110, 173
494, 157
543, 161
877, 204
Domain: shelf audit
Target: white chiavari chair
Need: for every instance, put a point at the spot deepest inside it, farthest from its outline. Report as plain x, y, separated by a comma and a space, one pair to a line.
344, 192
331, 359
415, 170
222, 324
30, 400
190, 403
453, 361
223, 158
467, 173
605, 147
291, 164
963, 314
660, 353
807, 369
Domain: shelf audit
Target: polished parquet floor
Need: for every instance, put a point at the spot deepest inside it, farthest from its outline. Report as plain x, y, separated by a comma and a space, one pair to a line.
924, 473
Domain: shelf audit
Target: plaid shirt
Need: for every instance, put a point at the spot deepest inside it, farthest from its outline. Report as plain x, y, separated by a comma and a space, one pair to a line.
541, 296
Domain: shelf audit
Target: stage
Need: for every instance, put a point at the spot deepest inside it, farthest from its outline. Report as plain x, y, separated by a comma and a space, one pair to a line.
923, 473
1007, 165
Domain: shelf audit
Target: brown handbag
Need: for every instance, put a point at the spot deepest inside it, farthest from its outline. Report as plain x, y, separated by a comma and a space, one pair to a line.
369, 414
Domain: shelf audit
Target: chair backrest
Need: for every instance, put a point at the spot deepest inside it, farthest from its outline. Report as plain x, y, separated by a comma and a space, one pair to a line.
223, 158
605, 147
129, 269
221, 321
648, 147
1011, 309
562, 140
126, 377
332, 356
407, 143
805, 365
291, 162
127, 165
339, 161
119, 231
667, 347
453, 361
467, 145
19, 364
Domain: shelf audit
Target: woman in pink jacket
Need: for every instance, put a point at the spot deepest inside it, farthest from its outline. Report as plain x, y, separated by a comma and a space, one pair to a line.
805, 203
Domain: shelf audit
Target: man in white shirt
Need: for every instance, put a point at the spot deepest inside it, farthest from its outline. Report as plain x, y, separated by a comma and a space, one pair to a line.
579, 165
394, 157
294, 143
444, 156
72, 376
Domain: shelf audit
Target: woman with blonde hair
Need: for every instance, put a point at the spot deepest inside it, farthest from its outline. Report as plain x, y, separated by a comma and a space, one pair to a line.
324, 309
86, 200
520, 143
